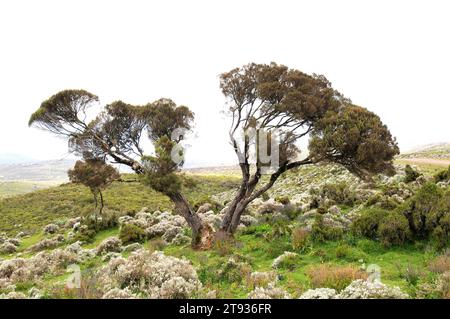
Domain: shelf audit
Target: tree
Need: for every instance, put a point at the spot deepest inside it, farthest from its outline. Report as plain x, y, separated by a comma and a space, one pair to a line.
269, 99
95, 174
115, 135
271, 107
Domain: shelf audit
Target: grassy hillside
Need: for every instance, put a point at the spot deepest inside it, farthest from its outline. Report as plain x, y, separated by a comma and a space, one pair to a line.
29, 212
12, 188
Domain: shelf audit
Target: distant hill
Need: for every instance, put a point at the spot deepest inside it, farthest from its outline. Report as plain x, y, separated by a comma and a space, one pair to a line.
52, 170
11, 158
433, 151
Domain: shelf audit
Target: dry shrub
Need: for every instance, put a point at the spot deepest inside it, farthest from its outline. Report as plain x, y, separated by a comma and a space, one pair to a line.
335, 277
440, 264
300, 238
223, 244
262, 279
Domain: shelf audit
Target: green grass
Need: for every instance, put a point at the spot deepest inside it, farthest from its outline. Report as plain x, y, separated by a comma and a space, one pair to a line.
30, 212
12, 188
261, 252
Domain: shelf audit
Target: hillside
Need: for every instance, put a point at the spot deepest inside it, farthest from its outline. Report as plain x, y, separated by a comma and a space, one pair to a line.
29, 212
52, 170
436, 151
282, 249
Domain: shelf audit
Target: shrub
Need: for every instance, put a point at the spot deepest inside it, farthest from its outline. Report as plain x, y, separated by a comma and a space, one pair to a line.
334, 277
368, 222
340, 193
112, 244
234, 271
7, 248
150, 275
321, 232
278, 230
131, 233
223, 245
363, 289
342, 251
262, 279
410, 174
420, 207
440, 264
300, 239
51, 228
394, 230
438, 289
438, 222
271, 292
283, 200
287, 260
410, 273
442, 175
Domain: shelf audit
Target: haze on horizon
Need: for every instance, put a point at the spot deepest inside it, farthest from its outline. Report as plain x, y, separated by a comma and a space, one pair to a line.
390, 57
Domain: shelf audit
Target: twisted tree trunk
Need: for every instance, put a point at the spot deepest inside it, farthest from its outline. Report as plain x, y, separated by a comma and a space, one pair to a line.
202, 234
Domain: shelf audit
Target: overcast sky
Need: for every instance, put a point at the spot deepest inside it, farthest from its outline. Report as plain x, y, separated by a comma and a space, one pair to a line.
389, 56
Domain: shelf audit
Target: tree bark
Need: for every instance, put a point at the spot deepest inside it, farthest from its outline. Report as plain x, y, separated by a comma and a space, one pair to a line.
202, 236
248, 193
102, 204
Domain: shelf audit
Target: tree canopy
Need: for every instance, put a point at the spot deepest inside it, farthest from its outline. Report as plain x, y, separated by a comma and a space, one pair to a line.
271, 106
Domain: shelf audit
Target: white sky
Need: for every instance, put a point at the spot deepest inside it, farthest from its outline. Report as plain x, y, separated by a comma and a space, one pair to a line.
389, 56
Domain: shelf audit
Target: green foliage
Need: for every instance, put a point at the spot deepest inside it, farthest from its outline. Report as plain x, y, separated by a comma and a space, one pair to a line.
321, 232
381, 201
130, 233
442, 175
61, 108
368, 222
355, 138
300, 238
290, 263
96, 175
283, 200
410, 273
278, 230
423, 206
410, 174
340, 193
394, 230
